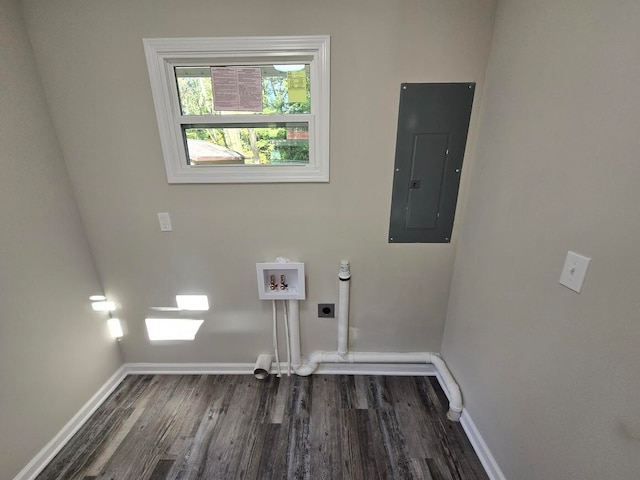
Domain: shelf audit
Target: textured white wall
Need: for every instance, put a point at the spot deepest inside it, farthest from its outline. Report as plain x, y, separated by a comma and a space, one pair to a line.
54, 351
91, 60
551, 377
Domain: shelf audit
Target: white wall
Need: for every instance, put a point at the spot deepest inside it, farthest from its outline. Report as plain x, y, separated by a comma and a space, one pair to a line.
54, 351
90, 56
552, 377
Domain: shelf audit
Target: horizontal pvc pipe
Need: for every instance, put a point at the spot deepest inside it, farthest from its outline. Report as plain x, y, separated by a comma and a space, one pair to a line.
318, 357
455, 402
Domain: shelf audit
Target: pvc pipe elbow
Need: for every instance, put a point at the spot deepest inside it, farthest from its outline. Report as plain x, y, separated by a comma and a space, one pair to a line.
305, 370
454, 415
455, 402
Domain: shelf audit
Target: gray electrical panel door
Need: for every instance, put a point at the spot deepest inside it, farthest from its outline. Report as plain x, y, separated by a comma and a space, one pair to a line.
433, 123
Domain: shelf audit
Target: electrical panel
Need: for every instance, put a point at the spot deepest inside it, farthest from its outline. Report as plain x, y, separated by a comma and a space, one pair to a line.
433, 123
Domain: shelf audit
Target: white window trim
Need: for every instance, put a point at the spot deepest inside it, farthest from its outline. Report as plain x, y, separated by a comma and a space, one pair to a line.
163, 54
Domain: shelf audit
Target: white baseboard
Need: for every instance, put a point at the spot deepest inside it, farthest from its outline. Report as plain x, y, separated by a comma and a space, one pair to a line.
37, 464
477, 442
482, 450
247, 369
51, 449
189, 368
398, 370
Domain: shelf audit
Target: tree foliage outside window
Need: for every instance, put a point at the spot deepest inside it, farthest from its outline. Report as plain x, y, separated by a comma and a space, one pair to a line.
271, 144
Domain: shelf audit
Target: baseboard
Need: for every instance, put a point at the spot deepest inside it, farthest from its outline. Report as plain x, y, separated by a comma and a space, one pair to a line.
477, 442
247, 369
44, 456
482, 450
189, 368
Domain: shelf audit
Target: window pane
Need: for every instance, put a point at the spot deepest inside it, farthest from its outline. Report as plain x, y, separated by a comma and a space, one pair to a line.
248, 144
285, 89
194, 90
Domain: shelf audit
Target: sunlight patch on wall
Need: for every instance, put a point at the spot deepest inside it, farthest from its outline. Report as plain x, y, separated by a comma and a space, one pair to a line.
159, 329
115, 328
193, 302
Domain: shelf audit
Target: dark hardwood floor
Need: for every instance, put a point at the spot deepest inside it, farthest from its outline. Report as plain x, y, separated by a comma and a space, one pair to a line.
181, 427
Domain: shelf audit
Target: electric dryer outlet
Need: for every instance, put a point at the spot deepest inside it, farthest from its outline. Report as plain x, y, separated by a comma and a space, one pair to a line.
326, 310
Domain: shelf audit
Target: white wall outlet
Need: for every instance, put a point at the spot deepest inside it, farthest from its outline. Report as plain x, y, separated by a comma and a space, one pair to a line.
165, 222
574, 271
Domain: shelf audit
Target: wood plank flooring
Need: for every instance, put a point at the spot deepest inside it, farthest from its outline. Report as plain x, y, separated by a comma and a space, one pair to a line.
186, 427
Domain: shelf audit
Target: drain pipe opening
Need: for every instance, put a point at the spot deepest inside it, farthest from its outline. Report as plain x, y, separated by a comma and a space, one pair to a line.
263, 366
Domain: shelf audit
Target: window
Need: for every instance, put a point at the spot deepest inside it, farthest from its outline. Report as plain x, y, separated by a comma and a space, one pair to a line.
242, 110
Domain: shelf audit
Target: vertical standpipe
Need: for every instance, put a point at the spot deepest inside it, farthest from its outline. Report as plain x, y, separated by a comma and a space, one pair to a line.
343, 307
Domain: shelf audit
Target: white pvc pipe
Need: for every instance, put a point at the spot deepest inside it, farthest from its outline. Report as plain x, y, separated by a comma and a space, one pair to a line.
263, 366
455, 401
294, 331
318, 357
286, 330
275, 337
343, 307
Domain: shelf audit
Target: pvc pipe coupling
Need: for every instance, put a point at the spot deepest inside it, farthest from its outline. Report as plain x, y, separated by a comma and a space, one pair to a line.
345, 270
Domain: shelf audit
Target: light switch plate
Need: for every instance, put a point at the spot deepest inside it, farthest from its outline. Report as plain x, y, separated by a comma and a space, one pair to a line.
165, 222
574, 271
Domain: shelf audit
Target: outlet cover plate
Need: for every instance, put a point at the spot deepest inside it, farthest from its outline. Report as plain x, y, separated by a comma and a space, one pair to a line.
574, 271
165, 222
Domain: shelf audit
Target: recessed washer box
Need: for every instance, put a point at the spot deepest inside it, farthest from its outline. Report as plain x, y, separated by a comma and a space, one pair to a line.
281, 281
